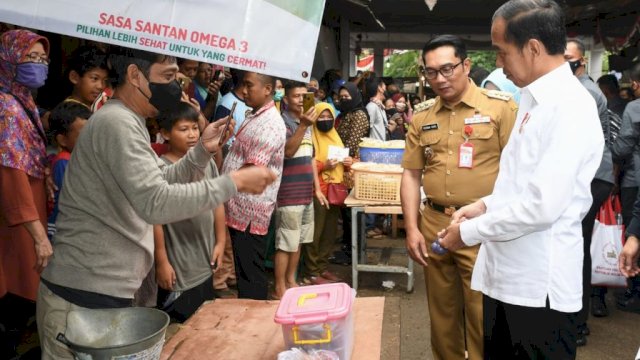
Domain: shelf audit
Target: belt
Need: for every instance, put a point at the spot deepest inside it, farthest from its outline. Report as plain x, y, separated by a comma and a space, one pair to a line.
447, 210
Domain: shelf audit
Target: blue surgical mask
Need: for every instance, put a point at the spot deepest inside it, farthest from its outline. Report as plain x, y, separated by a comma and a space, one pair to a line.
278, 95
31, 74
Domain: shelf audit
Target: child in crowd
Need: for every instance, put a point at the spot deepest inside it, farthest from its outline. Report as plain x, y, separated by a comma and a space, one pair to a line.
88, 73
189, 251
65, 123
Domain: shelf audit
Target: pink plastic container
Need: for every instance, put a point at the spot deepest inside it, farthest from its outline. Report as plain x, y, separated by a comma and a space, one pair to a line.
318, 317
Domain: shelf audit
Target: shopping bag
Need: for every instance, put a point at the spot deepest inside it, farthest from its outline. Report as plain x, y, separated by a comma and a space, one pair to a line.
606, 245
337, 193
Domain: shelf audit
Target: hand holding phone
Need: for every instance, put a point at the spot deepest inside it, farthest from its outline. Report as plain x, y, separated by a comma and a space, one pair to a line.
216, 75
308, 101
223, 134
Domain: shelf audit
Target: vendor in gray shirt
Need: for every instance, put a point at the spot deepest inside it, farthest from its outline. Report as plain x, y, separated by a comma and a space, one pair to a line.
115, 187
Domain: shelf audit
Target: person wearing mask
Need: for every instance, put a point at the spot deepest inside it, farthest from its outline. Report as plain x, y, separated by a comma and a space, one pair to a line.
115, 187
602, 183
328, 171
453, 148
376, 88
400, 103
353, 126
625, 146
530, 262
24, 247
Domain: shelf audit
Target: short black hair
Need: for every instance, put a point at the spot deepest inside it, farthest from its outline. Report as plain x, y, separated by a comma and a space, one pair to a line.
87, 58
65, 114
634, 71
446, 40
579, 44
267, 80
610, 82
542, 20
291, 84
121, 57
183, 111
478, 74
371, 87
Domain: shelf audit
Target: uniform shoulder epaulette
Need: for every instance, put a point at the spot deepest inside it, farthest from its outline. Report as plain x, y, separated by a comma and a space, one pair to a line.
496, 94
425, 105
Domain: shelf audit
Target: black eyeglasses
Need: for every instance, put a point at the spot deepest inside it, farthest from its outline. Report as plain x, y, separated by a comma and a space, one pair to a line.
446, 71
37, 58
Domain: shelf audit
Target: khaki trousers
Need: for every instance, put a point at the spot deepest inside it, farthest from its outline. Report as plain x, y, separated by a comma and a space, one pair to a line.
51, 317
455, 309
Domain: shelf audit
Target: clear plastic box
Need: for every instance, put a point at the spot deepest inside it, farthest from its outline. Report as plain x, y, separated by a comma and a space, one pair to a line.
318, 317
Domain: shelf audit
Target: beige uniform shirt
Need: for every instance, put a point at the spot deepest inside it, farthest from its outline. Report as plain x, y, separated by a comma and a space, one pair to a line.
436, 133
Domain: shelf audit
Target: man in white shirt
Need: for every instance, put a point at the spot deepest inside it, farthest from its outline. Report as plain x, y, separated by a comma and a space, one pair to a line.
377, 116
530, 263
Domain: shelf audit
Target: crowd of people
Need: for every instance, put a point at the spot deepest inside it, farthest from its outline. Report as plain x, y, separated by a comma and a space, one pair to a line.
160, 181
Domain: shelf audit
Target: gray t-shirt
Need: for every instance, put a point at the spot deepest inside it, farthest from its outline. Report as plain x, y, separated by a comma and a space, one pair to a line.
190, 242
114, 188
377, 121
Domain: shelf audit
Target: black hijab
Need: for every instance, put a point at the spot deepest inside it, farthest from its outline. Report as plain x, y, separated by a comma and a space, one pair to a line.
348, 106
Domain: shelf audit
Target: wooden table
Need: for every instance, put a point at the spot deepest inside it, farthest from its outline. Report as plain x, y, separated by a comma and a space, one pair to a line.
358, 250
230, 329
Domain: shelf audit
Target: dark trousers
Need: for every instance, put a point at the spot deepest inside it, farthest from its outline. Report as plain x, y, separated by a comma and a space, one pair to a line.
518, 332
600, 190
189, 301
249, 252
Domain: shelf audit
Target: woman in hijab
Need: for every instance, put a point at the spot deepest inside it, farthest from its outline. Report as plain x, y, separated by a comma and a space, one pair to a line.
23, 162
497, 80
329, 171
354, 123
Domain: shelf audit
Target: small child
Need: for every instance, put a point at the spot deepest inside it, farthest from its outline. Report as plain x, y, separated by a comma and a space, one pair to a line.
189, 251
65, 123
88, 73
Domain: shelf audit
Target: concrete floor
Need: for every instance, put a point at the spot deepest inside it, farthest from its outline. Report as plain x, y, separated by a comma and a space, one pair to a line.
406, 328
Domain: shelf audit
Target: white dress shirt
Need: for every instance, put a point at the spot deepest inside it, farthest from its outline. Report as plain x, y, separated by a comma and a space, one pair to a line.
531, 233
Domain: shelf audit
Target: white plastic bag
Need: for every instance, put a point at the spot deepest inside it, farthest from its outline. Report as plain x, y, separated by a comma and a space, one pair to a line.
606, 245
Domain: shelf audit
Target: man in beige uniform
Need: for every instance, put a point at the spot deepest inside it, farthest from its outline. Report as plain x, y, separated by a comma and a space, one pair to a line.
455, 140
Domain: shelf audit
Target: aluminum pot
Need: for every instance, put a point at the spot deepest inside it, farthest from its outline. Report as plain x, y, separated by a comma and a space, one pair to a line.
106, 334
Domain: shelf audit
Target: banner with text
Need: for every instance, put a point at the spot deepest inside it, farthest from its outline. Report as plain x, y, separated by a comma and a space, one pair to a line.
275, 37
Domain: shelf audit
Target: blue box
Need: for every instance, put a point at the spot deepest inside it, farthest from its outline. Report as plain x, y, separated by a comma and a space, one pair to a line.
381, 156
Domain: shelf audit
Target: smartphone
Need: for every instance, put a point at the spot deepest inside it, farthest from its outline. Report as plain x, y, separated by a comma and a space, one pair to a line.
184, 82
308, 101
216, 75
223, 134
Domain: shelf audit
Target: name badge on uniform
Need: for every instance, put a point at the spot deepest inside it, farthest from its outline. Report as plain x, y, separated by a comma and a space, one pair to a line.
477, 119
465, 158
428, 127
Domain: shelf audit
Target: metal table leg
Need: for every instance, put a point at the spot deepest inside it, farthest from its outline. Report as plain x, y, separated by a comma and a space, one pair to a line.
354, 246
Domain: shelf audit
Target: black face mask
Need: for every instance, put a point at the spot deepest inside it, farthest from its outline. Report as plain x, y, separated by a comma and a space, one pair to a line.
164, 97
346, 105
324, 125
391, 112
574, 65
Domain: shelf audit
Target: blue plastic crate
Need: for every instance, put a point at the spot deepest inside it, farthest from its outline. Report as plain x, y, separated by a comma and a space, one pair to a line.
381, 156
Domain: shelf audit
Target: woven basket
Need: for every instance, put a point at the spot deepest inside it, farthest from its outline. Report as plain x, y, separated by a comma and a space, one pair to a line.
377, 184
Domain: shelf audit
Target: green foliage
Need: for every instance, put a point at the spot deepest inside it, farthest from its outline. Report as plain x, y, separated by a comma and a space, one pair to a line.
406, 64
402, 65
485, 59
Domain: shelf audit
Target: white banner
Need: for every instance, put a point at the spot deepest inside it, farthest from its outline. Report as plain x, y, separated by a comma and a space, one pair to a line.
275, 37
